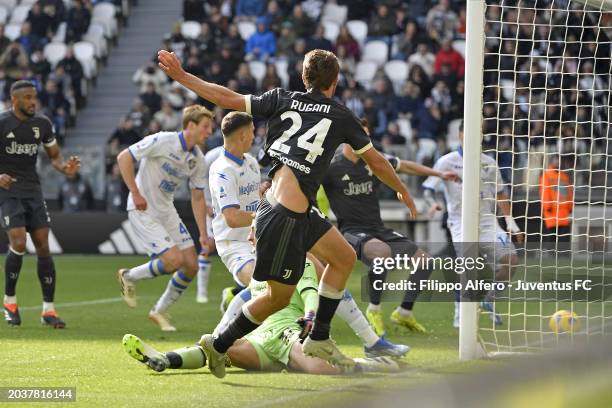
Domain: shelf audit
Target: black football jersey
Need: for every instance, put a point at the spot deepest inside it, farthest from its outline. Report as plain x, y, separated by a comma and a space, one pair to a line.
19, 142
352, 190
304, 130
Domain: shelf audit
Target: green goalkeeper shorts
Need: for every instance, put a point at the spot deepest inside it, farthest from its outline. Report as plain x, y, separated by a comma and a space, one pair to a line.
273, 341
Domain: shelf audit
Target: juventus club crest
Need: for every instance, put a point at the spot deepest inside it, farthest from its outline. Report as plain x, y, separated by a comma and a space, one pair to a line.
36, 131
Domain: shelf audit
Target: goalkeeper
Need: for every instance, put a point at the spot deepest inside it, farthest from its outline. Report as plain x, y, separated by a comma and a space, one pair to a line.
273, 346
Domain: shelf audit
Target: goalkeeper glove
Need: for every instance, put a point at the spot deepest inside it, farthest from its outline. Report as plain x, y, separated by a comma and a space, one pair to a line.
306, 324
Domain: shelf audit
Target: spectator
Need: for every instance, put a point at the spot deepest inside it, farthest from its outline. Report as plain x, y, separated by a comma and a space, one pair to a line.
194, 10
377, 119
246, 83
249, 10
446, 75
194, 67
410, 102
393, 136
302, 24
274, 15
271, 80
408, 40
229, 63
441, 96
295, 77
419, 77
262, 44
4, 40
116, 192
150, 98
347, 62
28, 41
206, 42
234, 42
39, 21
428, 121
56, 10
285, 41
14, 61
352, 100
382, 25
423, 58
73, 67
75, 195
139, 115
318, 40
168, 118
124, 135
55, 106
447, 55
313, 8
150, 74
384, 98
346, 40
217, 75
39, 65
441, 21
458, 96
77, 22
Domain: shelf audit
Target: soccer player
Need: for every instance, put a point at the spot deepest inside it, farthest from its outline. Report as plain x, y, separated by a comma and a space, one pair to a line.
204, 265
166, 160
22, 207
274, 345
491, 233
234, 188
352, 191
304, 130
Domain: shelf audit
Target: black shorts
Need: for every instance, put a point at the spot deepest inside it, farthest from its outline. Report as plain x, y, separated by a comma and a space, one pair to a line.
283, 238
358, 238
30, 212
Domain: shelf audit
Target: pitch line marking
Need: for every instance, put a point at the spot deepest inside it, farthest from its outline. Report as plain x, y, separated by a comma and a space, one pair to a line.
77, 304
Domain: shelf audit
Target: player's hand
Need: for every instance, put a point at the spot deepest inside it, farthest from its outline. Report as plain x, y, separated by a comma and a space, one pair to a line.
72, 166
306, 324
139, 202
170, 64
6, 181
450, 176
406, 198
433, 209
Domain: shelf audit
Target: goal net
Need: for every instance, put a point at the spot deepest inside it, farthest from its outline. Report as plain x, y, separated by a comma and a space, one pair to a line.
541, 70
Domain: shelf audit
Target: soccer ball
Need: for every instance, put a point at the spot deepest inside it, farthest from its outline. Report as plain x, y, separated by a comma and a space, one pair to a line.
564, 321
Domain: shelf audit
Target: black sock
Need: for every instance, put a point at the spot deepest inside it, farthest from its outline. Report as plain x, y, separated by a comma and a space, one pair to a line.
46, 275
407, 305
237, 289
12, 267
175, 359
237, 329
411, 295
375, 294
325, 313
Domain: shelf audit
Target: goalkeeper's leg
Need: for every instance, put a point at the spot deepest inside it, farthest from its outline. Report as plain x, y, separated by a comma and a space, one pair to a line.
234, 308
191, 357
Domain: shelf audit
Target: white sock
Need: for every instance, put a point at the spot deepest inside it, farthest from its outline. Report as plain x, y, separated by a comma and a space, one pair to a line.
176, 287
148, 270
373, 307
203, 275
233, 310
10, 300
404, 312
350, 313
48, 307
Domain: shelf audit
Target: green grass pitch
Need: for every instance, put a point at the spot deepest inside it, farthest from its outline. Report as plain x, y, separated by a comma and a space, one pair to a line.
88, 353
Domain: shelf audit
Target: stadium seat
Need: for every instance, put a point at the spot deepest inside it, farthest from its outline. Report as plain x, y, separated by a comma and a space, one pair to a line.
246, 29
95, 35
358, 29
54, 52
282, 71
60, 34
258, 70
12, 31
376, 51
28, 2
191, 29
397, 72
331, 30
8, 4
452, 137
459, 46
364, 73
334, 13
19, 14
507, 88
405, 129
3, 15
426, 149
85, 52
104, 13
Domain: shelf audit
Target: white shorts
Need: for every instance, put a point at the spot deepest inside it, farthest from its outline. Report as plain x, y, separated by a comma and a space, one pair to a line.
160, 232
494, 242
235, 255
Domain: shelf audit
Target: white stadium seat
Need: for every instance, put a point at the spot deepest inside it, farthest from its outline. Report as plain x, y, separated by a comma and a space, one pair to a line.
358, 29
3, 14
459, 46
246, 29
104, 13
334, 13
258, 70
397, 72
364, 73
191, 29
8, 4
452, 137
95, 35
12, 31
19, 14
85, 52
376, 51
331, 31
405, 129
54, 52
60, 34
282, 71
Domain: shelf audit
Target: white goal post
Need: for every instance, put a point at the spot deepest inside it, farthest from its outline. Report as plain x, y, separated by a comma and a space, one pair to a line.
538, 91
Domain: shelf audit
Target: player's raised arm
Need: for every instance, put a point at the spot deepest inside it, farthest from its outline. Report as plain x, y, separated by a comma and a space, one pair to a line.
217, 94
381, 167
416, 169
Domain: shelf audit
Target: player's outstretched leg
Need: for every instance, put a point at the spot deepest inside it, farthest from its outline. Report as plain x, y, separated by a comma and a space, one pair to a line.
127, 278
141, 351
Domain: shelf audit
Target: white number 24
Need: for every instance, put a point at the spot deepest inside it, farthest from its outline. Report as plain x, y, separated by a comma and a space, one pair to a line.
318, 131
